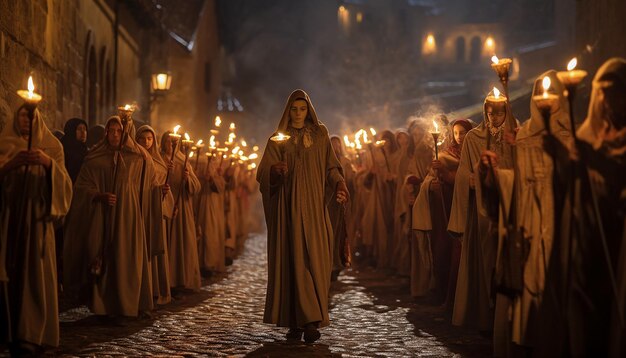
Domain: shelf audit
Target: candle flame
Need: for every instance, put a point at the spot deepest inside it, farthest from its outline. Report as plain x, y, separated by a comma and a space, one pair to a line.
199, 142
358, 143
127, 107
244, 143
232, 126
241, 153
218, 121
235, 150
572, 64
373, 131
31, 86
430, 39
212, 141
546, 83
191, 154
365, 139
255, 148
346, 140
253, 165
380, 143
496, 93
187, 137
495, 59
176, 129
436, 126
253, 156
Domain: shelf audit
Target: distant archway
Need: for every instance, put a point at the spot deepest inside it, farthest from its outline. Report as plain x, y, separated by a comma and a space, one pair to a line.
460, 49
475, 47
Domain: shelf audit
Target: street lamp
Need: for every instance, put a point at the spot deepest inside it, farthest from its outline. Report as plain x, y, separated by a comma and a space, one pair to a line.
161, 82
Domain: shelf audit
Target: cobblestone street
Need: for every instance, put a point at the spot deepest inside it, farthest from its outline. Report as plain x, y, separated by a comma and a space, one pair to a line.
372, 315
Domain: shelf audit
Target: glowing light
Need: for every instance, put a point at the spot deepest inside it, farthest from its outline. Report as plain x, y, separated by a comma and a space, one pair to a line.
572, 64
127, 107
241, 153
346, 140
243, 143
31, 85
235, 150
430, 39
280, 137
496, 93
436, 126
489, 42
359, 17
255, 148
176, 129
232, 126
253, 156
218, 121
191, 154
430, 45
187, 137
546, 83
495, 59
29, 95
199, 143
373, 131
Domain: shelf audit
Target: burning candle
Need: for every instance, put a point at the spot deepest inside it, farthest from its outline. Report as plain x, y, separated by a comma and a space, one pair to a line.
187, 142
232, 127
29, 96
373, 131
253, 156
174, 135
280, 137
244, 143
218, 121
571, 77
501, 66
546, 101
255, 148
346, 141
495, 97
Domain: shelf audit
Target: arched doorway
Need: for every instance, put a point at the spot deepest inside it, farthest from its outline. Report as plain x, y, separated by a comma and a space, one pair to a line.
475, 47
460, 49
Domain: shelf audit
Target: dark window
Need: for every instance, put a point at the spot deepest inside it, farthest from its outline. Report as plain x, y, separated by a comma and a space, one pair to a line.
475, 49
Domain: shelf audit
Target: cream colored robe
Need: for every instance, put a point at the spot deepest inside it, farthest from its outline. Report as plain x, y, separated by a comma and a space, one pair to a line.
300, 235
28, 273
211, 220
182, 240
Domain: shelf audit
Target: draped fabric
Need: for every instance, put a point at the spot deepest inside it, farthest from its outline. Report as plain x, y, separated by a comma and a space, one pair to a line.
300, 234
30, 204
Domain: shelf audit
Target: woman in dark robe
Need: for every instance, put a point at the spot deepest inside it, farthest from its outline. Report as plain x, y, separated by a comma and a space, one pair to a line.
74, 145
293, 175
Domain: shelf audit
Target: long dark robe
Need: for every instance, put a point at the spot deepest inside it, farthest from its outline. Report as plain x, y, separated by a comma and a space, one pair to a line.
300, 234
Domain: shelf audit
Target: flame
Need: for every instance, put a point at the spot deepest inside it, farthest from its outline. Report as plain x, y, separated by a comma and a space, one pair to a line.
373, 131
380, 143
252, 166
496, 93
255, 148
127, 107
358, 143
546, 83
430, 39
232, 126
243, 143
365, 140
176, 129
572, 64
218, 121
191, 155
346, 140
199, 143
240, 153
436, 126
489, 41
253, 156
281, 136
235, 150
31, 86
187, 137
495, 59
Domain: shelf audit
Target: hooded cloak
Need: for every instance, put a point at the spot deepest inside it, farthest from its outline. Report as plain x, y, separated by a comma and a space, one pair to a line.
300, 234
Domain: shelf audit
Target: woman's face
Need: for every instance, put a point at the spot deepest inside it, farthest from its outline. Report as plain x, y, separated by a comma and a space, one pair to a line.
81, 133
403, 140
298, 112
496, 115
459, 134
23, 122
146, 139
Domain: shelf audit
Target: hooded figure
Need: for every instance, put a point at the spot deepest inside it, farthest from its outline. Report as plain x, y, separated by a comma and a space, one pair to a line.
585, 301
534, 206
30, 204
470, 218
181, 229
106, 248
293, 176
74, 149
160, 204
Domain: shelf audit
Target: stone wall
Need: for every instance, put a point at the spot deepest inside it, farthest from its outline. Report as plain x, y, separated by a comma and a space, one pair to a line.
69, 47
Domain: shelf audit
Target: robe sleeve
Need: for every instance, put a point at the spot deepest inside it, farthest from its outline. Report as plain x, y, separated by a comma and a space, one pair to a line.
193, 183
334, 173
60, 187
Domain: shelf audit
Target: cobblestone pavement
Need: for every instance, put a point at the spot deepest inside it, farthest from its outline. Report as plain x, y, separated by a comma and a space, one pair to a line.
371, 313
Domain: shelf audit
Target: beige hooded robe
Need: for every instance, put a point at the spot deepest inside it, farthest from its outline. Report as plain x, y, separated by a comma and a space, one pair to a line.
28, 272
300, 234
114, 237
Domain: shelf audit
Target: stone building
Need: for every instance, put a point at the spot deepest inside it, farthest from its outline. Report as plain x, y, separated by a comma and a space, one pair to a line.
88, 56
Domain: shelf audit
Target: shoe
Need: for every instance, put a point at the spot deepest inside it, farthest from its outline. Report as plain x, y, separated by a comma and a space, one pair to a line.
311, 334
294, 334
